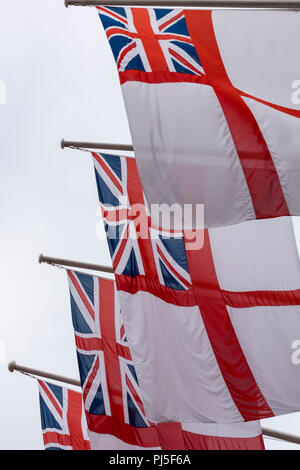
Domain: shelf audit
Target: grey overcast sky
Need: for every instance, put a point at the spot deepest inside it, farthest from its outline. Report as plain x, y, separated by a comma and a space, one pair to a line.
60, 81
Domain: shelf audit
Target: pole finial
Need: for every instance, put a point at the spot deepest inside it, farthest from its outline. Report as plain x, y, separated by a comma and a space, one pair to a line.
66, 3
62, 143
12, 366
41, 258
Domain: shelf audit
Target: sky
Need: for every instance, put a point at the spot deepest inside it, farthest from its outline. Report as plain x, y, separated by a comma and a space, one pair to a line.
61, 82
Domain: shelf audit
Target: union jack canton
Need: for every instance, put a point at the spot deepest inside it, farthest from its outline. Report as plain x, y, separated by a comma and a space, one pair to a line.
141, 253
111, 393
128, 32
62, 418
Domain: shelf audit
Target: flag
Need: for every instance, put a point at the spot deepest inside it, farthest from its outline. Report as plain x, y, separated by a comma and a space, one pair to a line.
211, 330
112, 397
209, 99
62, 417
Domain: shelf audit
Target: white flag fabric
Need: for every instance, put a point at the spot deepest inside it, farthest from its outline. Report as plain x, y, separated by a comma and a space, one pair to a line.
211, 330
213, 109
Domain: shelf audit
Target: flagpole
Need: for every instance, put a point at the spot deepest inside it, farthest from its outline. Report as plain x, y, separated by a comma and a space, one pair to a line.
254, 4
12, 366
281, 435
75, 264
95, 145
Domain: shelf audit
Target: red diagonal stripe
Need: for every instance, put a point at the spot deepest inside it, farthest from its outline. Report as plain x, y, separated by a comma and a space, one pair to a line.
124, 52
120, 249
120, 31
111, 13
135, 395
124, 351
51, 397
136, 201
81, 294
184, 61
91, 379
108, 171
171, 20
184, 281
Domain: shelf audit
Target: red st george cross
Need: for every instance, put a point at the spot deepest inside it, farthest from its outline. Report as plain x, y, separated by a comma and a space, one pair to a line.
258, 167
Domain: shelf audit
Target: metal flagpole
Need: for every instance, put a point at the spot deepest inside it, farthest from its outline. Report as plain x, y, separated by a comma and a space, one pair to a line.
12, 366
284, 436
96, 145
258, 4
75, 264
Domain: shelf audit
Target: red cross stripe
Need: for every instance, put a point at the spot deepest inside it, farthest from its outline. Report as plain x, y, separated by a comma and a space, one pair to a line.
255, 158
111, 353
150, 42
136, 197
228, 352
74, 420
212, 302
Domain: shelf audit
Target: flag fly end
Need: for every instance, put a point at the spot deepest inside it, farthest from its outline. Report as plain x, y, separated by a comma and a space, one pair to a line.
11, 366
